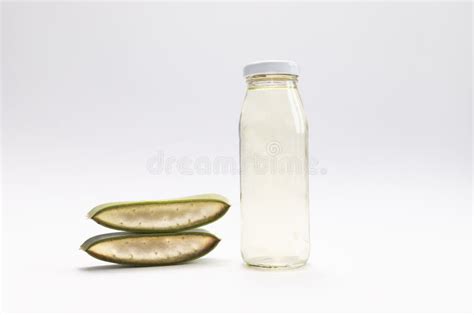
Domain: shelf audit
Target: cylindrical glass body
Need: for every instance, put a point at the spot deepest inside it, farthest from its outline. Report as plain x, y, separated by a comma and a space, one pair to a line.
274, 173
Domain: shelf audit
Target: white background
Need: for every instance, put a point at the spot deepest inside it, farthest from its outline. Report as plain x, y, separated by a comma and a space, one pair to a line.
92, 91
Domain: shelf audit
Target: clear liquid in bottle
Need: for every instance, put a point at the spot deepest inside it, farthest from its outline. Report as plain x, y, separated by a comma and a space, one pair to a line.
274, 168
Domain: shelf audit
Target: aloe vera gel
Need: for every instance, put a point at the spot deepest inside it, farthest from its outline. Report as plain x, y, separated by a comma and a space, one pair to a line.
274, 168
158, 232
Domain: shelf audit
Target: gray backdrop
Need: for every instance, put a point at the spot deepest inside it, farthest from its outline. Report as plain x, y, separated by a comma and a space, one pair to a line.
97, 97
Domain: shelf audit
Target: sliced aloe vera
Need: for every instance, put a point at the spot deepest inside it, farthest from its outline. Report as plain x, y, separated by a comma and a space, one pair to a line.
150, 249
161, 216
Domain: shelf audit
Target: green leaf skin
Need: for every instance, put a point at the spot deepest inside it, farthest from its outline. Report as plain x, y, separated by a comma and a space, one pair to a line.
161, 215
150, 249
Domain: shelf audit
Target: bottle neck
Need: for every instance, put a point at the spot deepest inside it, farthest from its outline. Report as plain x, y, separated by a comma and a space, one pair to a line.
278, 81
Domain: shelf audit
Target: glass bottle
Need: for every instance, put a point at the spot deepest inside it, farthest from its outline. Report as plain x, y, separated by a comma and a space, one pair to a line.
273, 168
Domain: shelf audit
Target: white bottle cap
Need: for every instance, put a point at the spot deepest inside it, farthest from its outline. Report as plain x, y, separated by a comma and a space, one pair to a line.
271, 67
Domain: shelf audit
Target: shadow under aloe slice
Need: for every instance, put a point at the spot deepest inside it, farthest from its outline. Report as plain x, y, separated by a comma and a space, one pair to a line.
161, 215
150, 249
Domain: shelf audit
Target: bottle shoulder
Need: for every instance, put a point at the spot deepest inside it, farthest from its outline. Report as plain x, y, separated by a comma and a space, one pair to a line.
273, 108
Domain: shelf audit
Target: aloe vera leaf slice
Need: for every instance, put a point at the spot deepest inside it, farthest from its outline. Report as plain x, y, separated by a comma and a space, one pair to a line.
161, 215
150, 249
